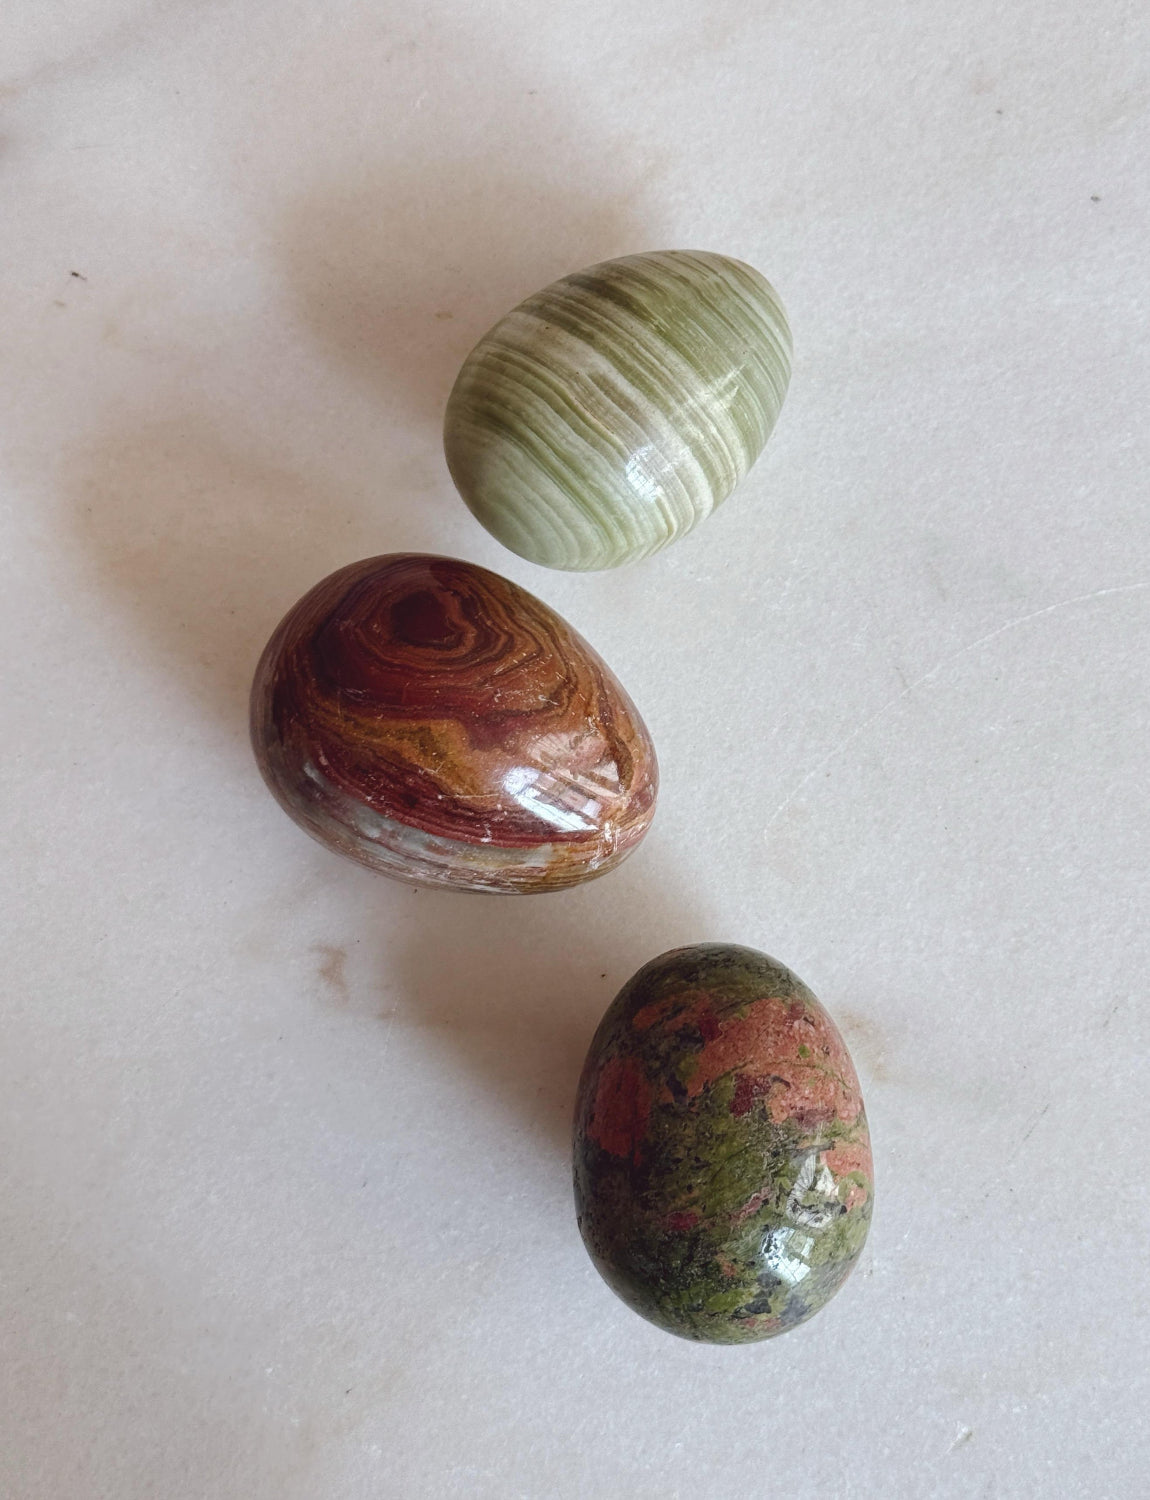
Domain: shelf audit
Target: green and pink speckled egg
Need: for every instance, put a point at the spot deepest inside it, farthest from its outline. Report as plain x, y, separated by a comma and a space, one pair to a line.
723, 1176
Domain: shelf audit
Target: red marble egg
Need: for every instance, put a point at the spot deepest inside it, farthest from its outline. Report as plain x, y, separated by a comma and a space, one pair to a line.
438, 723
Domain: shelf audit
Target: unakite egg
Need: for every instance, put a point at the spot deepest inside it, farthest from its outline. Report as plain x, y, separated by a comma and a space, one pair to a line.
723, 1177
614, 410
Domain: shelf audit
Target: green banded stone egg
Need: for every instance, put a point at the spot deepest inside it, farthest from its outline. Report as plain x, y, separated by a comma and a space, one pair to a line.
614, 410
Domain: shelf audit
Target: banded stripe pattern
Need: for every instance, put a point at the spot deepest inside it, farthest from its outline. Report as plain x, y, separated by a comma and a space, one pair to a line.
441, 725
614, 410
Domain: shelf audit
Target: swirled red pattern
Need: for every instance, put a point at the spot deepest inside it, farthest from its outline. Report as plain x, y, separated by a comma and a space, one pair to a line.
438, 722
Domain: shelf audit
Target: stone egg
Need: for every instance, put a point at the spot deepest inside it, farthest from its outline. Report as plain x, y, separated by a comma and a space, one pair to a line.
612, 411
440, 724
723, 1177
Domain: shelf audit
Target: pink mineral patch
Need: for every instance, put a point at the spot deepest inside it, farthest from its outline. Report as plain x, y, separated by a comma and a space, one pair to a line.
621, 1109
750, 1087
752, 1205
682, 1220
849, 1156
779, 1052
845, 1157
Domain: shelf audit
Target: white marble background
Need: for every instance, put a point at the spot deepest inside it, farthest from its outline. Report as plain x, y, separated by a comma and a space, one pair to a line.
285, 1211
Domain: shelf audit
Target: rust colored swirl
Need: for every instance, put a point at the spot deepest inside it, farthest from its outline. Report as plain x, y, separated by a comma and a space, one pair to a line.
436, 722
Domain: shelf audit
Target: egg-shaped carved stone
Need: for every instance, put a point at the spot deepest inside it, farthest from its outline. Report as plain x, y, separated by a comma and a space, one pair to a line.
612, 411
723, 1177
440, 724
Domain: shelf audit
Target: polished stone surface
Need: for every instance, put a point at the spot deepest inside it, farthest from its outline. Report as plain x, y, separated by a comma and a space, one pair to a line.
286, 1147
723, 1173
614, 410
439, 724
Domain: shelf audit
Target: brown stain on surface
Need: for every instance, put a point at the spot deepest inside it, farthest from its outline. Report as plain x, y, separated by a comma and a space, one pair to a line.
333, 968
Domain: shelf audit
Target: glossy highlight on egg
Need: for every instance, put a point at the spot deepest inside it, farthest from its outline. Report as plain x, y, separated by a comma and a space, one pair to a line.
723, 1172
613, 411
436, 722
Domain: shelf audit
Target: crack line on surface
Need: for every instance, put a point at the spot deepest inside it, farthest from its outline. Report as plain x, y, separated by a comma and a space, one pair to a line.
387, 1033
1034, 1124
891, 703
